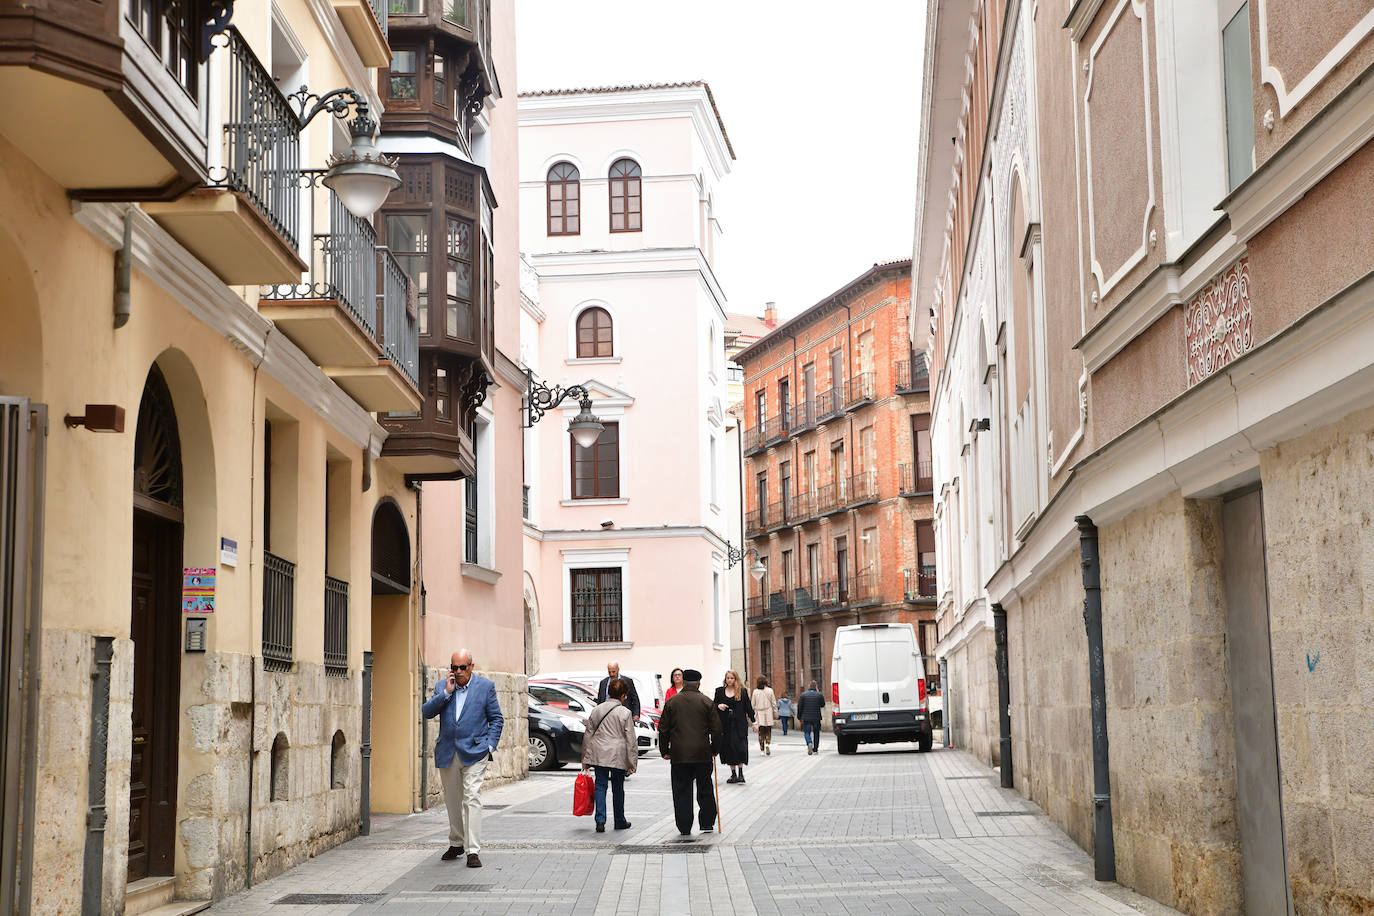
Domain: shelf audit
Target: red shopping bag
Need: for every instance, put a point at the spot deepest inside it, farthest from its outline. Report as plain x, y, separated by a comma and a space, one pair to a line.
584, 795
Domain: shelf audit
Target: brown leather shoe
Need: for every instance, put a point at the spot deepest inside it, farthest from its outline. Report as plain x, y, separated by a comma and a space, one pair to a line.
453, 853
473, 861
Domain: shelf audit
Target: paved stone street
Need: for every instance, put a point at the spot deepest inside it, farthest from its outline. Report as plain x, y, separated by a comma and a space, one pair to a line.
885, 831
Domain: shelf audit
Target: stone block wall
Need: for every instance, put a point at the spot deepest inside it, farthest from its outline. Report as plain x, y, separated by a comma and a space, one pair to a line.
1169, 705
1051, 726
512, 753
1318, 507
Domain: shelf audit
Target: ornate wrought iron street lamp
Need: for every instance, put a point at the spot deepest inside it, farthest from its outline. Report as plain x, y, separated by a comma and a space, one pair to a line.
364, 176
540, 398
735, 554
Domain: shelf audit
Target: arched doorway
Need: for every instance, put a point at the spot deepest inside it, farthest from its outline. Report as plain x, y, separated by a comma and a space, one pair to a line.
393, 705
155, 628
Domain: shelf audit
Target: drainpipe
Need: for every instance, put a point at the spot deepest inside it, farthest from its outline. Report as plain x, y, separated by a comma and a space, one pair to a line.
424, 644
999, 625
1104, 846
34, 672
365, 790
92, 864
744, 544
252, 736
944, 702
124, 260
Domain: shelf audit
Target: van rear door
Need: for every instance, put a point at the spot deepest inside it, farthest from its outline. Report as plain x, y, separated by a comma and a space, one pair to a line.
858, 679
898, 667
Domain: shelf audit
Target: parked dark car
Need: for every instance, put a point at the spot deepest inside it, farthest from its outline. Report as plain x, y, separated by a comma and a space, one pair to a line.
555, 737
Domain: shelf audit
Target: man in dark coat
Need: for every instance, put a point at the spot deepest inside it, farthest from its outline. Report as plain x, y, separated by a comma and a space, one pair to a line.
613, 672
809, 706
689, 737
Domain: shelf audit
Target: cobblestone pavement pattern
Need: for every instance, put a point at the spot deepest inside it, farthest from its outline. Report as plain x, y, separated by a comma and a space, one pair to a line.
885, 831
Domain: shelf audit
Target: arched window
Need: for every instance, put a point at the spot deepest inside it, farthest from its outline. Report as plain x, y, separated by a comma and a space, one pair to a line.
594, 335
625, 199
563, 192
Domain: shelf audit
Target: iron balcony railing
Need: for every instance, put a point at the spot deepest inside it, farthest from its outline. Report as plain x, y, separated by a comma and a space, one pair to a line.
753, 439
596, 614
780, 605
804, 415
262, 147
778, 513
397, 311
278, 612
830, 404
861, 389
863, 589
343, 263
919, 584
754, 522
379, 10
917, 479
913, 376
776, 428
756, 609
335, 626
829, 499
863, 488
803, 507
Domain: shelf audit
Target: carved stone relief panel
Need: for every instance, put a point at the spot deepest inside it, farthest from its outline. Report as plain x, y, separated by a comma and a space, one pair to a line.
1118, 144
1217, 323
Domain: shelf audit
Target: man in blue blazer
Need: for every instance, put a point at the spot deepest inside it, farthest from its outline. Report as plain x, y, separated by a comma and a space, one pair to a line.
470, 724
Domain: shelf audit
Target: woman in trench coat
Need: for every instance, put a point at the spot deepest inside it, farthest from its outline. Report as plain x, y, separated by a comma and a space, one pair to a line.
736, 718
765, 713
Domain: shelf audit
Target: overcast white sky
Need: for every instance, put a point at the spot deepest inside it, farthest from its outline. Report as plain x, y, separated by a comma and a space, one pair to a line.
820, 100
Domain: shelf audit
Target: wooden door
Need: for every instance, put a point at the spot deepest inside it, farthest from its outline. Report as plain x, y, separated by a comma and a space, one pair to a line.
155, 629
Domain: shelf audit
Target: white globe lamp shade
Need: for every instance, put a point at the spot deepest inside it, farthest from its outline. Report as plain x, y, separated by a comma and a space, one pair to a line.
758, 571
362, 177
585, 430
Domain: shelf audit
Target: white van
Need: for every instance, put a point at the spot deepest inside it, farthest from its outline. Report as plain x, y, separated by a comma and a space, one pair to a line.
878, 686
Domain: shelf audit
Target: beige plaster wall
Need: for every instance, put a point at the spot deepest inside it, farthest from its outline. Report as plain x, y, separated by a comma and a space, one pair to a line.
1320, 554
1169, 705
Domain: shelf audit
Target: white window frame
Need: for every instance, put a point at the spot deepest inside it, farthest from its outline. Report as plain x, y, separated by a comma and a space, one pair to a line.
596, 558
484, 449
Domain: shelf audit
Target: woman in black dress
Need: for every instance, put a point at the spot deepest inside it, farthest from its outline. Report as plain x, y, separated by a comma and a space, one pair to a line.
736, 718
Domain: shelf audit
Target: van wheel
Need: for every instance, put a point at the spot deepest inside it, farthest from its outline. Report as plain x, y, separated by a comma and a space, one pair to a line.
847, 745
924, 741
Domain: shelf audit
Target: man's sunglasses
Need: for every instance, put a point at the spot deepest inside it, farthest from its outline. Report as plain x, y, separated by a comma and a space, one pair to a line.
457, 667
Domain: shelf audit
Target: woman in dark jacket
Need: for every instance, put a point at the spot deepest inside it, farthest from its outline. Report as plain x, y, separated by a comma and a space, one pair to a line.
736, 718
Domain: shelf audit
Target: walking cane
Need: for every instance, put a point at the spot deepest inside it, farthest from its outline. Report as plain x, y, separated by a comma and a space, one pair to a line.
716, 783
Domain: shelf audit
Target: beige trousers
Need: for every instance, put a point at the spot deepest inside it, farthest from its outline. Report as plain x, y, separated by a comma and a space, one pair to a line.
463, 798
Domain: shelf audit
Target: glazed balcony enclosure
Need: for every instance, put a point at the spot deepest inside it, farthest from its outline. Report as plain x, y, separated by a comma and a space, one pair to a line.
110, 95
438, 225
354, 312
441, 68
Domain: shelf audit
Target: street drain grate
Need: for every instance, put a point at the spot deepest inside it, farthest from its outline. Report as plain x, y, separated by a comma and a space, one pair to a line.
1004, 813
459, 888
327, 899
968, 777
665, 848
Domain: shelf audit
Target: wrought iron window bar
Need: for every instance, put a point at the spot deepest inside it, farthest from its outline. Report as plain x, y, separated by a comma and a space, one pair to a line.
278, 612
596, 615
335, 627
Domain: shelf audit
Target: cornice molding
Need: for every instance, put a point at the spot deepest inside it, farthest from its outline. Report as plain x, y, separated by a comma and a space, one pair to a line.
217, 306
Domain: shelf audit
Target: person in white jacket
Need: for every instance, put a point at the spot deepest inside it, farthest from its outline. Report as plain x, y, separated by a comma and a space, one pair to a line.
765, 713
610, 748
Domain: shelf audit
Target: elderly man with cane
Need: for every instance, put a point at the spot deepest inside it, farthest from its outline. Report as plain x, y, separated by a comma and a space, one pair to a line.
689, 737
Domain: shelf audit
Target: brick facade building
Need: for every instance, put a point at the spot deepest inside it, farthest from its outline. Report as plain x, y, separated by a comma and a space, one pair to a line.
837, 479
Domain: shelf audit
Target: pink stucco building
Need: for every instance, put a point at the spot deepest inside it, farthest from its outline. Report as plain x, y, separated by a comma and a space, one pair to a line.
625, 552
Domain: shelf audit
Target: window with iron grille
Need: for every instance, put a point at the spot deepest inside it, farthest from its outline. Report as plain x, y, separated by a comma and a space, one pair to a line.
596, 605
470, 520
562, 189
335, 627
766, 659
789, 664
596, 470
817, 672
625, 196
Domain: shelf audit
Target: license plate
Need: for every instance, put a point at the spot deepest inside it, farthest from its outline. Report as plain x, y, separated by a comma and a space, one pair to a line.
864, 717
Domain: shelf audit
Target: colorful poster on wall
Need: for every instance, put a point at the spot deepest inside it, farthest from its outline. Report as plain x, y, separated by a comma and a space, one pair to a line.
197, 591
